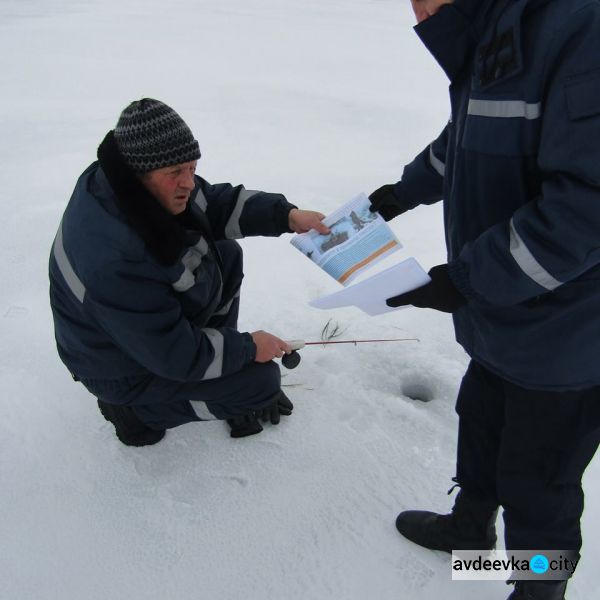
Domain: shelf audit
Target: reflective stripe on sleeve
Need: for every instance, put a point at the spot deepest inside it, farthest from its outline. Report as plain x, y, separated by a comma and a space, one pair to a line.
215, 369
232, 229
436, 163
225, 309
200, 200
529, 265
65, 267
504, 109
191, 261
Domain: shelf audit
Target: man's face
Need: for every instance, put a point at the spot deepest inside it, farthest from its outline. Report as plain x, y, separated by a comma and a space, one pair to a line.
171, 186
426, 8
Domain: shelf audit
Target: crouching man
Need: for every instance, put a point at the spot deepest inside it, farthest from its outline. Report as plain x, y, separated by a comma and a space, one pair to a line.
145, 281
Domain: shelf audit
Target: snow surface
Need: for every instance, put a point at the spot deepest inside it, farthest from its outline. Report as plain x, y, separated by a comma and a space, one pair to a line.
316, 99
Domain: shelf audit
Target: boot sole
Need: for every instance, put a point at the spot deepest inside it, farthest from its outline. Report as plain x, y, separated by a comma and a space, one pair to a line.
147, 439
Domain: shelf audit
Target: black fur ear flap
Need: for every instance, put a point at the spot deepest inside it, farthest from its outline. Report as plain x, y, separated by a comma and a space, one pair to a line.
163, 235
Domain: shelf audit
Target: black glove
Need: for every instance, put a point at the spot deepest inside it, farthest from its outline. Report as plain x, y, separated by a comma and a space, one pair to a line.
244, 426
386, 202
439, 293
273, 412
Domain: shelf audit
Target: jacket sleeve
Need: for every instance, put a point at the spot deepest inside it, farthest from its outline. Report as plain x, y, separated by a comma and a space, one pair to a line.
423, 179
143, 317
235, 212
554, 238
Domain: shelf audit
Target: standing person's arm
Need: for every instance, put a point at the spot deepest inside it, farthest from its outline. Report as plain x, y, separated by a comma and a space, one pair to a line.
422, 182
554, 238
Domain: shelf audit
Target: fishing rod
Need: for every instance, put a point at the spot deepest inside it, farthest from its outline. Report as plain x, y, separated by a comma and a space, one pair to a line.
292, 360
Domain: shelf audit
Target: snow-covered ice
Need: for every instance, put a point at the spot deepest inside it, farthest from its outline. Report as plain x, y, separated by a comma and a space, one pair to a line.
316, 99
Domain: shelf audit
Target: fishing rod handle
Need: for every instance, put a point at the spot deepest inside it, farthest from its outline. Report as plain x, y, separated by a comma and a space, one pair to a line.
296, 344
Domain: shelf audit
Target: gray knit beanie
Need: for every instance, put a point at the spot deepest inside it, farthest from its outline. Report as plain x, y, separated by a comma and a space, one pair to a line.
151, 135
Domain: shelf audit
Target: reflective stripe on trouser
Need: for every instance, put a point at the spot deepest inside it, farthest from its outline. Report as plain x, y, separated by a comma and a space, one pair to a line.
163, 403
176, 403
527, 451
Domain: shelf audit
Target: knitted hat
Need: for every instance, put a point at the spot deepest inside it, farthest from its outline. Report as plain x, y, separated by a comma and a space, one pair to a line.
151, 135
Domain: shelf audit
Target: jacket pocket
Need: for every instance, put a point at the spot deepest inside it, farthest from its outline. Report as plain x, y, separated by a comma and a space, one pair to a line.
501, 127
583, 95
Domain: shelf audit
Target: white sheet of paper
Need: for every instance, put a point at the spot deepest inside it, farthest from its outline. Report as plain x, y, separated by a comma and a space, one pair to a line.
370, 294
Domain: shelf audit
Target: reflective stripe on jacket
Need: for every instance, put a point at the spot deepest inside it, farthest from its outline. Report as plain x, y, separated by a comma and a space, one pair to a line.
518, 167
119, 312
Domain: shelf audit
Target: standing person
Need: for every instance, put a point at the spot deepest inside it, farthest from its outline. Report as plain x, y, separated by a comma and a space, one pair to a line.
518, 168
145, 281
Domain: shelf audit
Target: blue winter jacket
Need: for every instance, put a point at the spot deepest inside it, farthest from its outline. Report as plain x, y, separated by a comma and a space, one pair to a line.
122, 310
518, 167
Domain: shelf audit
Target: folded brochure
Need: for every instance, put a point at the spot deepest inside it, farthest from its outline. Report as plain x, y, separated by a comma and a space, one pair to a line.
357, 241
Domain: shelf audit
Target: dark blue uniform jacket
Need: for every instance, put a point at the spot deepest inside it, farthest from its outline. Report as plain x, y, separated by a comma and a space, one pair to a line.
518, 168
132, 296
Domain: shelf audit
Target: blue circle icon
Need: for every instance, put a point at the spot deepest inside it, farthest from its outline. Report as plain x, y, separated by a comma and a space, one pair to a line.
539, 564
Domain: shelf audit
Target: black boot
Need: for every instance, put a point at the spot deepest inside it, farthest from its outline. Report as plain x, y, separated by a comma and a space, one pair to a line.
129, 429
539, 590
470, 526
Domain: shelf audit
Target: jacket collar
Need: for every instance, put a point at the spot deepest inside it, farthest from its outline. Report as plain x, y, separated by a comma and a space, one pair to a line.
163, 234
453, 34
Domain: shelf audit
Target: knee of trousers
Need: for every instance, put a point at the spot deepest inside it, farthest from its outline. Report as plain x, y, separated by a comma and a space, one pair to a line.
480, 397
538, 504
258, 386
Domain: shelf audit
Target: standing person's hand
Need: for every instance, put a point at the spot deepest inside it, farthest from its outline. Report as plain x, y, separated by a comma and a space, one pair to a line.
269, 346
301, 221
386, 202
439, 294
